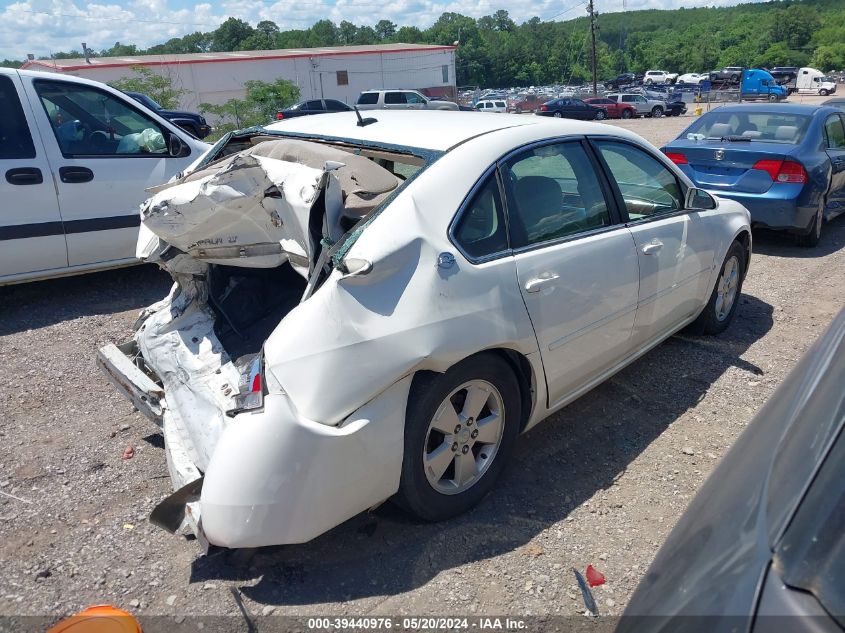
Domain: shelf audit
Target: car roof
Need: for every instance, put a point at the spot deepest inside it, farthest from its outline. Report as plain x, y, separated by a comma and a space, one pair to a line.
434, 130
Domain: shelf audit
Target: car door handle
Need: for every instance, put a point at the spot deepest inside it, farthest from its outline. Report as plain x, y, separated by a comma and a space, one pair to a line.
652, 248
536, 284
24, 176
75, 174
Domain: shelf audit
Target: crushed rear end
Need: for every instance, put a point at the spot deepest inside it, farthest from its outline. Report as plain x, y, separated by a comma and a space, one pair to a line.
247, 238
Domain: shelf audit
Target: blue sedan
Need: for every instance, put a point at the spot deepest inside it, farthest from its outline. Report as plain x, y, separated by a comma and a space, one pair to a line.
784, 162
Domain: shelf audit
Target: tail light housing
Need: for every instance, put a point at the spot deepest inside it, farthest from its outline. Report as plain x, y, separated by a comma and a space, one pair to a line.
251, 390
544, 108
788, 171
677, 158
280, 116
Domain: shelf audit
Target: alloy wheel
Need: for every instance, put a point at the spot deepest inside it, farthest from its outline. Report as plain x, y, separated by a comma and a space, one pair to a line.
463, 437
726, 289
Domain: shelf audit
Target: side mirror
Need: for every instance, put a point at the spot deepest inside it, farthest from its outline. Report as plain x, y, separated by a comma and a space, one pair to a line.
176, 147
699, 200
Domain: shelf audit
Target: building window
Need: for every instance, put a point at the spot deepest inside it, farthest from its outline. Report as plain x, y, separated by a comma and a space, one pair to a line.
445, 70
342, 78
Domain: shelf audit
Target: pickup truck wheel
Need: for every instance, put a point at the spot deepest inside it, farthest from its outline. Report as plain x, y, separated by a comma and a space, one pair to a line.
460, 428
656, 112
812, 237
720, 309
823, 92
626, 114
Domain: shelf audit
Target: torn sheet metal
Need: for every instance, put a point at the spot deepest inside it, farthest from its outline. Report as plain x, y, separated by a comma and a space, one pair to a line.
254, 208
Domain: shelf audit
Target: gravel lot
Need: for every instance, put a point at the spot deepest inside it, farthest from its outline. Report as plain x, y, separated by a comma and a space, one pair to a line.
602, 482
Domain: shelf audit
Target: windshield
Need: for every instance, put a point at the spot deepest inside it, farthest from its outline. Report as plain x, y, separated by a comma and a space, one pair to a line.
766, 127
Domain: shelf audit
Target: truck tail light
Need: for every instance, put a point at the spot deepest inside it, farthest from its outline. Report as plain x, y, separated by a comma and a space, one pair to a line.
783, 170
677, 158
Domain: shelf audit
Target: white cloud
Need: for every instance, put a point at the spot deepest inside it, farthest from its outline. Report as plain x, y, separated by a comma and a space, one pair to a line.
45, 26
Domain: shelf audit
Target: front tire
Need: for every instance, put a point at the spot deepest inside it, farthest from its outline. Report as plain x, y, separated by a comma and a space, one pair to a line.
720, 309
626, 114
823, 92
460, 428
600, 116
656, 112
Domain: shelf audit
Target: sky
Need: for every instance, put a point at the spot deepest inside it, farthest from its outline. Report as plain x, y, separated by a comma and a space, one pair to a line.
44, 26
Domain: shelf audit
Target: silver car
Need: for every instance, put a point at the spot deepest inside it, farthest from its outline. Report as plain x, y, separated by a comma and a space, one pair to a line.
401, 100
644, 105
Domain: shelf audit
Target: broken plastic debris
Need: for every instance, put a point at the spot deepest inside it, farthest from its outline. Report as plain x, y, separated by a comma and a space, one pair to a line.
103, 618
589, 601
128, 526
128, 453
594, 576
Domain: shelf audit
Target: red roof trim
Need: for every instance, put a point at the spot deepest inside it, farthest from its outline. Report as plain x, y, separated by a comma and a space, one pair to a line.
48, 64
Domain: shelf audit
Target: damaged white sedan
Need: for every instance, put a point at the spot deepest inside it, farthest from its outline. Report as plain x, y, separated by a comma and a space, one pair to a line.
376, 311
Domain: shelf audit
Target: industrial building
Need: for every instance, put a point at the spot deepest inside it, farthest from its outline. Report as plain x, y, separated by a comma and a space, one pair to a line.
340, 72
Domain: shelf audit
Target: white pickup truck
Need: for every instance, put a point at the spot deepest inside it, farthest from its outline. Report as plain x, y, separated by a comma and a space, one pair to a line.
75, 159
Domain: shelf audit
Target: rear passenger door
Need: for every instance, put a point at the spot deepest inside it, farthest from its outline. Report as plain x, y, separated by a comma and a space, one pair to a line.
834, 132
576, 262
31, 234
395, 101
675, 247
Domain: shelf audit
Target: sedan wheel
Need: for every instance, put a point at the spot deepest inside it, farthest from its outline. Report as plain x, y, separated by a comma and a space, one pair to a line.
558, 115
459, 431
600, 115
720, 309
463, 437
813, 236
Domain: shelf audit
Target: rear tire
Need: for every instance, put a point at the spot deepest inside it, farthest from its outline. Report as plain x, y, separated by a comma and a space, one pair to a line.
813, 236
656, 112
626, 114
720, 309
601, 116
558, 115
430, 490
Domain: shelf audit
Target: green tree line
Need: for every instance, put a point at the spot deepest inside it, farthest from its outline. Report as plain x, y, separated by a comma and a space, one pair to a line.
497, 52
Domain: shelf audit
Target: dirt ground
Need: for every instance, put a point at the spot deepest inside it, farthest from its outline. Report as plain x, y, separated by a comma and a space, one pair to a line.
600, 483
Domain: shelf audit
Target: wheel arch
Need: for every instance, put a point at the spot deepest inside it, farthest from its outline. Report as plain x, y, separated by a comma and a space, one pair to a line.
519, 364
744, 239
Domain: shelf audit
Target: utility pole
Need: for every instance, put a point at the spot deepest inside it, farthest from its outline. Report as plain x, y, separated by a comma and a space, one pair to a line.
593, 16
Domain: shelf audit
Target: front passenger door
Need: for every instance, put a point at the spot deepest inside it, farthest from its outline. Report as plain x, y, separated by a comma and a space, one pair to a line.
674, 246
576, 263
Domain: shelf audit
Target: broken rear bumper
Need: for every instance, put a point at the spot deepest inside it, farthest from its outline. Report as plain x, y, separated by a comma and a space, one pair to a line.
274, 477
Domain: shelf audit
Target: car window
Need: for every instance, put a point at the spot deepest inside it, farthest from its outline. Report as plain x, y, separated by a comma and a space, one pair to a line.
763, 127
640, 99
332, 105
368, 98
627, 99
413, 97
91, 122
481, 229
553, 192
15, 137
313, 106
834, 132
646, 184
394, 97
500, 104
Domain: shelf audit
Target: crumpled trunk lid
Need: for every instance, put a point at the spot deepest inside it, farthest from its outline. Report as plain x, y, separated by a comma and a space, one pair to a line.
259, 208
